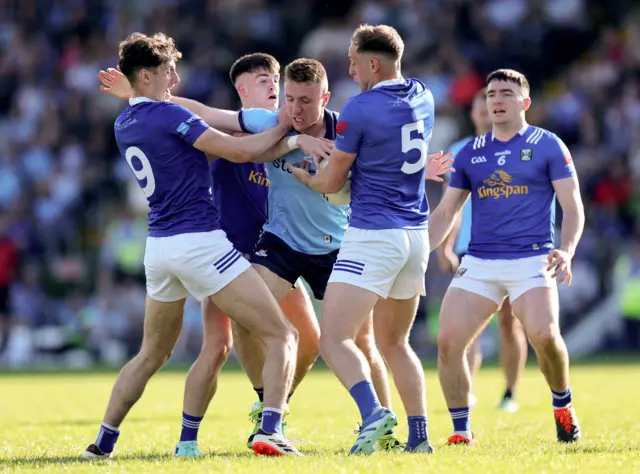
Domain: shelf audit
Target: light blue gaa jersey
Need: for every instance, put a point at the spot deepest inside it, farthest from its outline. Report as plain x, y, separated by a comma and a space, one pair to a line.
299, 216
156, 139
513, 213
389, 128
463, 238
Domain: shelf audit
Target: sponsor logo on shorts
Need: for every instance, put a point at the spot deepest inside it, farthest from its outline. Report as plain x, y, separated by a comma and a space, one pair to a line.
261, 253
461, 271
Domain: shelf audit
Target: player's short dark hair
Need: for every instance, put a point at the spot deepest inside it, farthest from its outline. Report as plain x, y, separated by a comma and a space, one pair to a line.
510, 75
140, 51
305, 70
253, 62
381, 39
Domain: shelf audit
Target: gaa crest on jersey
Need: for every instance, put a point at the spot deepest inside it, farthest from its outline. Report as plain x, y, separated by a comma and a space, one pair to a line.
526, 154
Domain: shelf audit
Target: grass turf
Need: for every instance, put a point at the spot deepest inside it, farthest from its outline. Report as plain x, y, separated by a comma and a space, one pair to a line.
48, 419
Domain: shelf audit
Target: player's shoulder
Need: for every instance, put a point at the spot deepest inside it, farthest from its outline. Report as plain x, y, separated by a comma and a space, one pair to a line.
479, 142
256, 120
538, 137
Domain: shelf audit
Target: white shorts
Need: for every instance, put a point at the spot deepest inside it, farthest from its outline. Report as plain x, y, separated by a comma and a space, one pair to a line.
497, 279
200, 264
388, 262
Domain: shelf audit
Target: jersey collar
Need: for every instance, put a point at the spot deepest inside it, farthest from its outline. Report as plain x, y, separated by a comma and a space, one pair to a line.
521, 132
139, 100
390, 82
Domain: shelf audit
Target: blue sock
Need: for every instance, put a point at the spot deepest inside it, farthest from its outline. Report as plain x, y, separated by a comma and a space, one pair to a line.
460, 417
417, 430
107, 437
561, 399
190, 427
365, 397
271, 420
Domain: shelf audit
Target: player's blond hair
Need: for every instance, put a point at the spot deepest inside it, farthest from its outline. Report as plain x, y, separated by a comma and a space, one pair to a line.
140, 51
381, 39
305, 70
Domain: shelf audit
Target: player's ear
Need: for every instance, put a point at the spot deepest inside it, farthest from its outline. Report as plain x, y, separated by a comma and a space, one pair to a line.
527, 103
144, 76
325, 99
374, 65
242, 90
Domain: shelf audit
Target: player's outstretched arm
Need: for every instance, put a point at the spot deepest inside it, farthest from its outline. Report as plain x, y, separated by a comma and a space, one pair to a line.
239, 149
115, 83
444, 217
318, 148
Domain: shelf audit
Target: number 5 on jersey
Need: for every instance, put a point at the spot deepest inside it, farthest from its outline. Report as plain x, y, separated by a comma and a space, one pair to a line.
144, 173
418, 143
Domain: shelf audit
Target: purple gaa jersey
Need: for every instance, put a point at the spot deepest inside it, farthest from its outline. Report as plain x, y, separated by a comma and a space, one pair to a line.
512, 194
156, 139
240, 195
389, 128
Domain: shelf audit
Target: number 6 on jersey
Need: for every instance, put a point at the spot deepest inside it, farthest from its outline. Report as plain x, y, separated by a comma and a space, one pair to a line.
144, 173
409, 144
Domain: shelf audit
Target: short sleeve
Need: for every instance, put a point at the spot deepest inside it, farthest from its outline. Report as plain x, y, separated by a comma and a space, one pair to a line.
459, 178
182, 123
559, 164
349, 129
257, 120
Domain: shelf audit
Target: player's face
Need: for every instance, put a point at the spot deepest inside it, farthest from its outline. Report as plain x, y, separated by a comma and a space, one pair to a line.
305, 103
259, 89
505, 101
480, 114
360, 68
162, 80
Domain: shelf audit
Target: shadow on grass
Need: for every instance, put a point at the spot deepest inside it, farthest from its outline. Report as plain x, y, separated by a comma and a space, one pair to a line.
96, 422
44, 460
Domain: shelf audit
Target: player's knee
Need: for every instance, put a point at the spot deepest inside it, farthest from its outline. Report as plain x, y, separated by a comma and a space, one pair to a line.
151, 361
216, 351
449, 345
545, 338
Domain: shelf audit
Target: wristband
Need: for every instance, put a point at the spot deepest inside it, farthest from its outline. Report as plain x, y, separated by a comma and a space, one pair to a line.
292, 142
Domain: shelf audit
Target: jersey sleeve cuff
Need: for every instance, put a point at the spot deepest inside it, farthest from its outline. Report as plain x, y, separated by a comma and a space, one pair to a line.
243, 127
342, 148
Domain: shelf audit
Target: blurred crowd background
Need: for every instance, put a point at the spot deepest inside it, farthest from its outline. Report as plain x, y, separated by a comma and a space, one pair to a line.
73, 221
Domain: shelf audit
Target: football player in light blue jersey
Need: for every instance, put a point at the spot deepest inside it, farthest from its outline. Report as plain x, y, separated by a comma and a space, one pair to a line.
513, 342
304, 231
514, 175
383, 140
186, 251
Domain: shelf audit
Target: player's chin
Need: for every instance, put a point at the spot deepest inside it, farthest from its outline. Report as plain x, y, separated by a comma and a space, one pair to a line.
299, 126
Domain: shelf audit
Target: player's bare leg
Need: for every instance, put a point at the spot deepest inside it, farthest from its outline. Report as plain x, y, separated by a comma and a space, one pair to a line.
513, 354
538, 309
298, 309
462, 317
346, 308
393, 320
474, 359
366, 342
162, 326
202, 379
259, 313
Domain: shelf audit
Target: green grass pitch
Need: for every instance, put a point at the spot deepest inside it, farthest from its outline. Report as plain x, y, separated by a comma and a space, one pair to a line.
47, 421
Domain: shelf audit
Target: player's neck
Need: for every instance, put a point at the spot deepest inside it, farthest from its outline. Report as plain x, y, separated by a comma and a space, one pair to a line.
389, 76
318, 129
505, 132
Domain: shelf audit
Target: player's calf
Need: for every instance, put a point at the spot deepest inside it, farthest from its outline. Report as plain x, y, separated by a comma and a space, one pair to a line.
538, 309
463, 315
